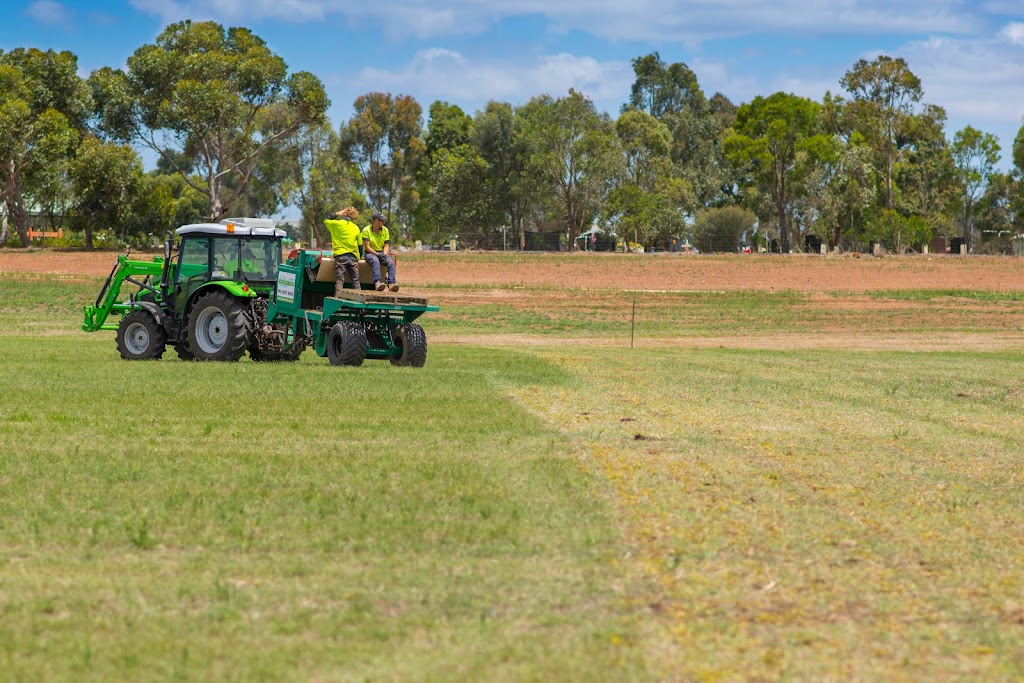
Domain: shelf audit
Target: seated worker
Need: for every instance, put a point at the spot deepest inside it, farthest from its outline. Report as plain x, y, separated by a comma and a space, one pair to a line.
247, 263
377, 249
345, 240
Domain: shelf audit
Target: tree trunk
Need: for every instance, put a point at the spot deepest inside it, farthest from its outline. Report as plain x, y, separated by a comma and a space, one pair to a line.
780, 206
20, 219
4, 230
88, 236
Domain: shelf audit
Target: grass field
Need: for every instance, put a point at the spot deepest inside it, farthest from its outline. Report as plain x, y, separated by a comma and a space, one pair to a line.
558, 511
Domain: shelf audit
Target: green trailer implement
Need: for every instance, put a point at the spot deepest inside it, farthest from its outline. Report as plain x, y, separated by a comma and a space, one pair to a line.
224, 292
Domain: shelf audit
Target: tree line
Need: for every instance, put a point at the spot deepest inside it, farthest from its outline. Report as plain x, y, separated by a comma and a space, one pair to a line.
234, 133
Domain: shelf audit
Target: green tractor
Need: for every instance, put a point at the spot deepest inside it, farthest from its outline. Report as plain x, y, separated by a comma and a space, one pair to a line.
224, 291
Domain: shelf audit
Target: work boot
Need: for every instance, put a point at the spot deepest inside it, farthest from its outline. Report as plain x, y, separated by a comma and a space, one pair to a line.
379, 286
393, 286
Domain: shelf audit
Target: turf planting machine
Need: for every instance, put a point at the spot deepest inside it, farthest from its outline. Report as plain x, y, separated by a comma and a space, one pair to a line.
222, 290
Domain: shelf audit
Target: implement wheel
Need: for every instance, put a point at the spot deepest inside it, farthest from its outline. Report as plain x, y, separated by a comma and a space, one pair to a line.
139, 337
218, 328
413, 342
346, 344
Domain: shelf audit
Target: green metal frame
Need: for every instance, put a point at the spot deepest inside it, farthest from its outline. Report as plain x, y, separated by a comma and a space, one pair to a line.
296, 280
125, 270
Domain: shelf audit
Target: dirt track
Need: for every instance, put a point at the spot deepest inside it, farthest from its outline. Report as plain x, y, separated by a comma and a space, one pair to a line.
642, 271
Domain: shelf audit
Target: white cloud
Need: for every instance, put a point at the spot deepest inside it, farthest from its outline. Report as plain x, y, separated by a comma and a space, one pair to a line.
48, 13
441, 74
690, 21
1014, 32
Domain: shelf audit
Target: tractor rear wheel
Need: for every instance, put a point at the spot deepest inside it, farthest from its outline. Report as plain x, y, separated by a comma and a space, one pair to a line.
346, 344
413, 341
184, 353
140, 337
218, 328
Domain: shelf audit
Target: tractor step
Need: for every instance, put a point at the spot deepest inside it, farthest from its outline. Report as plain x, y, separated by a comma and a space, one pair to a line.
382, 298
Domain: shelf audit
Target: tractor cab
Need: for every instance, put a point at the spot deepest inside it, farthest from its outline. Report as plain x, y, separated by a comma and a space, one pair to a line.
227, 251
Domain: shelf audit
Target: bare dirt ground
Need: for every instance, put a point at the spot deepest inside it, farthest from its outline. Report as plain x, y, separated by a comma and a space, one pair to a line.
537, 282
658, 272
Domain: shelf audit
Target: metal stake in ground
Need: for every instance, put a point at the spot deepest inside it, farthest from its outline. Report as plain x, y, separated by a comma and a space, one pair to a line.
632, 325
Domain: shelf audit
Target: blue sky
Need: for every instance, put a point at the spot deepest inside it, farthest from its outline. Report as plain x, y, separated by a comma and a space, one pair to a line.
969, 55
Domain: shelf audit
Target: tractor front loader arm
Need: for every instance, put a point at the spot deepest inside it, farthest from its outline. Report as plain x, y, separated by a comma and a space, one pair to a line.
125, 270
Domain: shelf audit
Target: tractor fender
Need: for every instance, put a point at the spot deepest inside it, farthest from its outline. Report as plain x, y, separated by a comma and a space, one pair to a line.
157, 312
235, 289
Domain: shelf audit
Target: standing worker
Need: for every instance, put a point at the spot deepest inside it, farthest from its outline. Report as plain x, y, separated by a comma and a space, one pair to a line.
345, 241
377, 247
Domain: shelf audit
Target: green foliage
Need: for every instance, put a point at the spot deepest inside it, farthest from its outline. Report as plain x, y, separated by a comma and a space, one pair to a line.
43, 107
721, 229
459, 202
975, 154
1018, 151
320, 181
500, 135
649, 200
900, 232
105, 179
575, 151
884, 92
219, 97
448, 128
671, 94
383, 140
776, 141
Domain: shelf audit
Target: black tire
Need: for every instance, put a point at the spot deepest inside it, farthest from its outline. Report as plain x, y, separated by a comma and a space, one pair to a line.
140, 337
184, 353
289, 356
218, 328
346, 344
413, 342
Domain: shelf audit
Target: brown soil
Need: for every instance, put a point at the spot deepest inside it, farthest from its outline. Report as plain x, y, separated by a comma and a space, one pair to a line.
534, 282
657, 272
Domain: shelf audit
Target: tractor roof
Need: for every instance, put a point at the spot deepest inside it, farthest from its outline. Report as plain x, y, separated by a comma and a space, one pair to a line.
230, 229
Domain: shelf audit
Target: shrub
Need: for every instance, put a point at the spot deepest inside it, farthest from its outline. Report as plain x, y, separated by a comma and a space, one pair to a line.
721, 229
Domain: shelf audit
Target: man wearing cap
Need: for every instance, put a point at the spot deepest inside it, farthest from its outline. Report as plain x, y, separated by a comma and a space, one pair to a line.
345, 239
377, 249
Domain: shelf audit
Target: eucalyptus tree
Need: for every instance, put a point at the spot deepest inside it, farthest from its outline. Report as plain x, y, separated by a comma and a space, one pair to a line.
884, 93
43, 108
575, 152
776, 141
458, 200
218, 97
672, 94
975, 155
648, 200
383, 138
500, 136
105, 179
320, 181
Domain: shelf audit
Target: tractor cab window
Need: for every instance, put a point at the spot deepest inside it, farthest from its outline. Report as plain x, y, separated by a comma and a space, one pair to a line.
245, 259
225, 258
260, 259
194, 259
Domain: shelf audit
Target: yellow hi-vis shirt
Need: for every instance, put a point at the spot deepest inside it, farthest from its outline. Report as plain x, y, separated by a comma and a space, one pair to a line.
346, 238
377, 239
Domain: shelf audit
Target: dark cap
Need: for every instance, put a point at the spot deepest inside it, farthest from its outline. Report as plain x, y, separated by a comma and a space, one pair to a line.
377, 216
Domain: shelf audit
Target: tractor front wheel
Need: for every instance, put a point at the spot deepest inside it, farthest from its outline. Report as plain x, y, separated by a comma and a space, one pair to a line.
218, 328
413, 341
346, 344
140, 337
